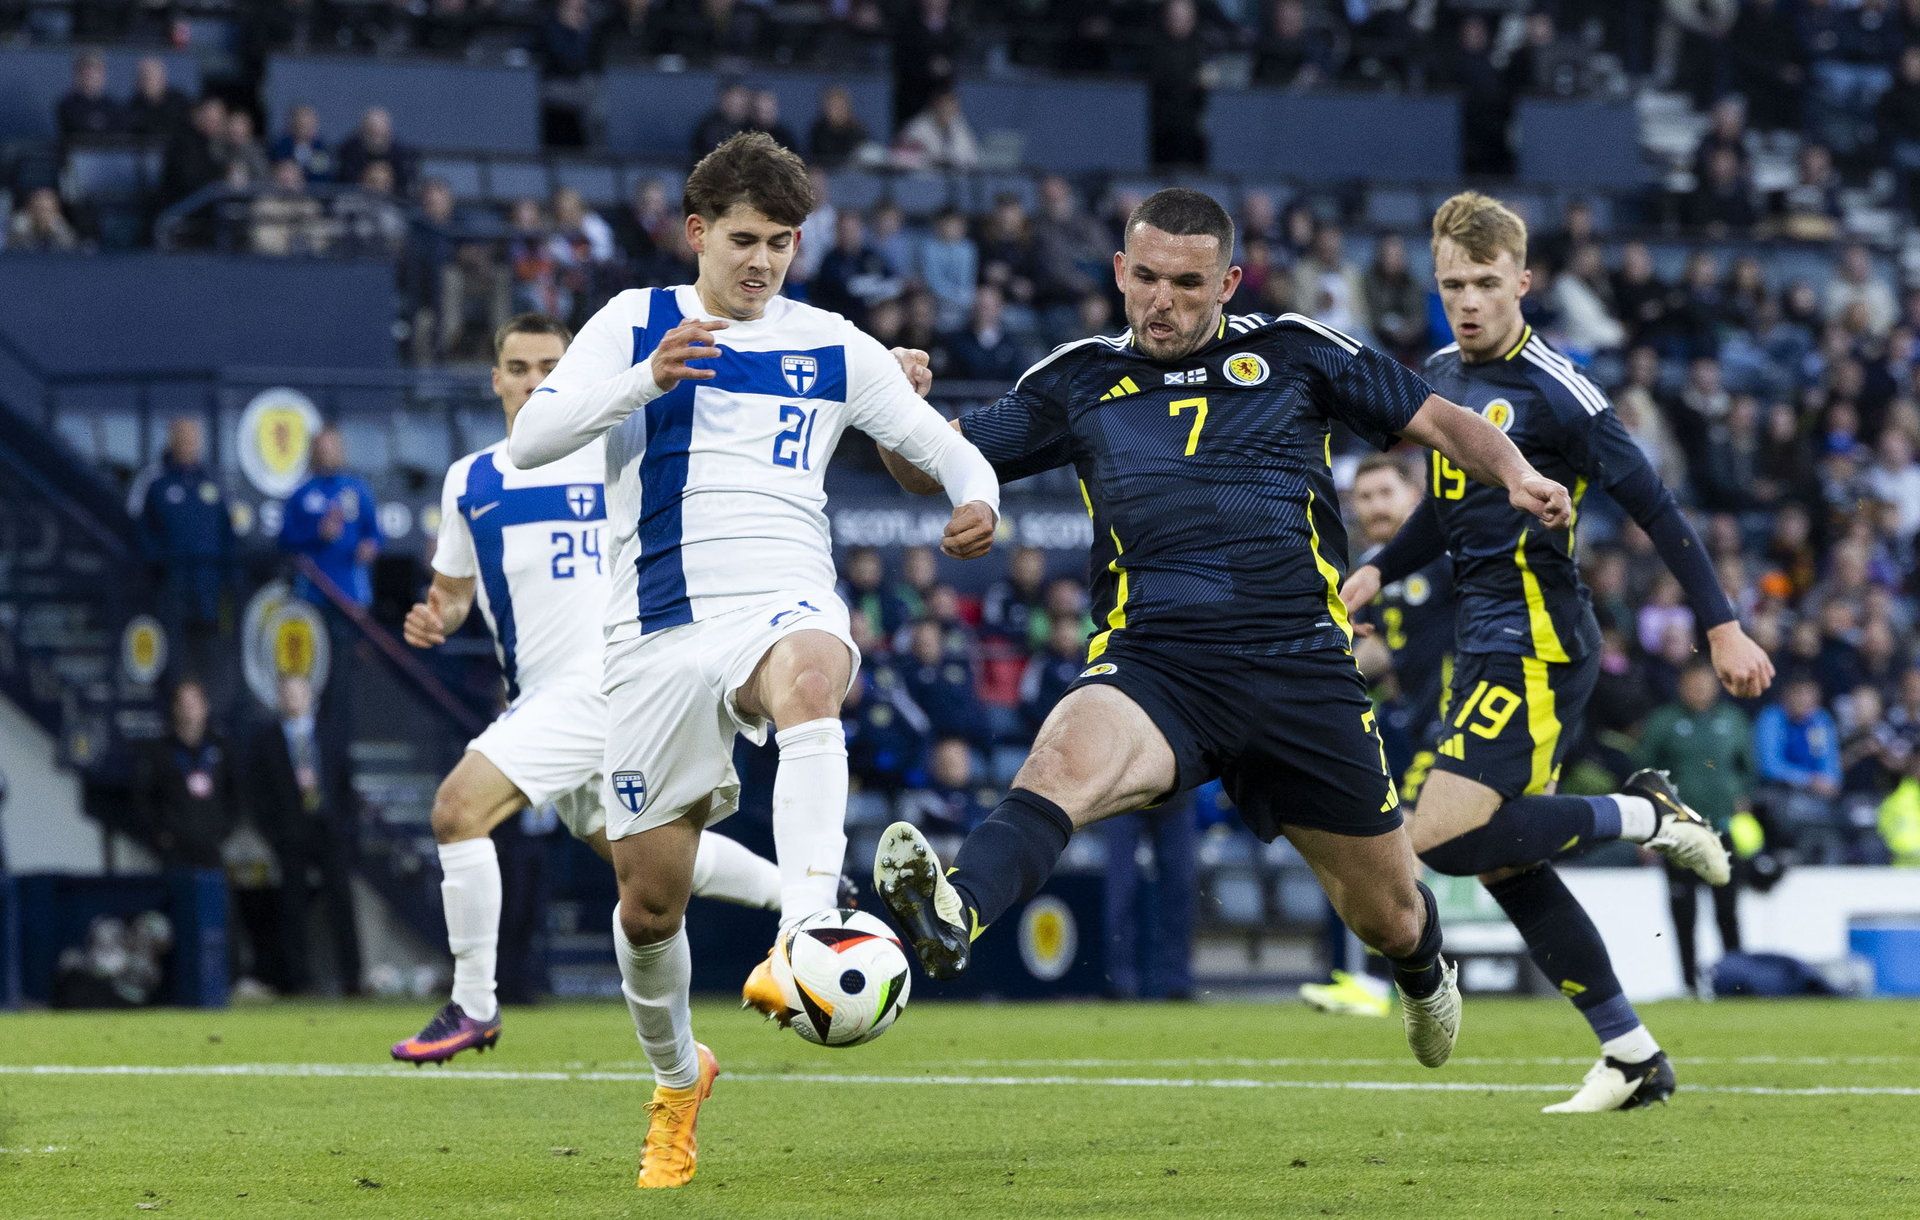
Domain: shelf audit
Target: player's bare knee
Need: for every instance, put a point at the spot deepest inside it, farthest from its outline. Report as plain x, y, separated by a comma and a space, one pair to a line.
813, 695
1393, 929
648, 921
454, 818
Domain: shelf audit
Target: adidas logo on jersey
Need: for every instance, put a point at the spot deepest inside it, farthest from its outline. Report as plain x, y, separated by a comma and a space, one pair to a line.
1125, 388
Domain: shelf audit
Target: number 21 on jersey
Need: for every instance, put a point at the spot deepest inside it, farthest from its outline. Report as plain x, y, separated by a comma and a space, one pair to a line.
793, 447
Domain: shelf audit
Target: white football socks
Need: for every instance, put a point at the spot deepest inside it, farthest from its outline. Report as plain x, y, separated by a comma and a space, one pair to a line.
725, 870
470, 895
655, 980
1638, 820
1634, 1046
810, 816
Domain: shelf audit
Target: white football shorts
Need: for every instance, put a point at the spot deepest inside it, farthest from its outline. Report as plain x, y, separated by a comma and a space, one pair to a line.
550, 742
671, 718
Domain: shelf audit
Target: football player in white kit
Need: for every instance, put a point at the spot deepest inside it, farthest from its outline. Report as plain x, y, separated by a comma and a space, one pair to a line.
721, 402
527, 546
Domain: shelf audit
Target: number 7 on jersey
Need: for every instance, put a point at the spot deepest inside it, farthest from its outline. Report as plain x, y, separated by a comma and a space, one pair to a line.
1199, 408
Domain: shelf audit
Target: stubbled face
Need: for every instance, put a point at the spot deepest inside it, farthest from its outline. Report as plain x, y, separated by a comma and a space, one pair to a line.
1174, 288
1482, 300
1382, 501
744, 256
525, 360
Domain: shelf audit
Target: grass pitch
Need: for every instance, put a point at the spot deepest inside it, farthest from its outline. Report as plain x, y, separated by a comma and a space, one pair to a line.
1785, 1109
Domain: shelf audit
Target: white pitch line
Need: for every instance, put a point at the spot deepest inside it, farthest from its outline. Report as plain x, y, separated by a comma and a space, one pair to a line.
1400, 1061
384, 1072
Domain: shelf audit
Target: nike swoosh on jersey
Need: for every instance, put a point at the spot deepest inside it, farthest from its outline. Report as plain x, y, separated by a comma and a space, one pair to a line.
482, 510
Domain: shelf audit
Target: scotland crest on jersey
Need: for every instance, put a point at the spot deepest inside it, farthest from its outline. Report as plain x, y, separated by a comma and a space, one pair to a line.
800, 373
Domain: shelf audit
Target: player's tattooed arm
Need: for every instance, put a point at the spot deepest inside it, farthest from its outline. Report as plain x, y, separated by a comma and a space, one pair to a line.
1486, 455
448, 602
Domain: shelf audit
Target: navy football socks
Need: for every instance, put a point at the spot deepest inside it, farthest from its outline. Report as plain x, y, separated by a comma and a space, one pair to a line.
1566, 946
1418, 973
1009, 856
1527, 830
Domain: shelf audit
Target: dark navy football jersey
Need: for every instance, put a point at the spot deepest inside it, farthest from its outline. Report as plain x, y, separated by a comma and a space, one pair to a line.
1414, 618
1215, 519
1518, 587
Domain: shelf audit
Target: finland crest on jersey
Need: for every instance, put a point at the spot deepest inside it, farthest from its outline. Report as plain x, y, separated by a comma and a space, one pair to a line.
534, 540
715, 488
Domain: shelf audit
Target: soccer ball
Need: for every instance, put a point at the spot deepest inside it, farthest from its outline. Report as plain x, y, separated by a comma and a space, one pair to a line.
844, 977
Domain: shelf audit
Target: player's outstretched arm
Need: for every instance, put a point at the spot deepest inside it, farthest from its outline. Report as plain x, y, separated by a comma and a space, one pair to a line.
449, 601
596, 385
919, 370
1484, 452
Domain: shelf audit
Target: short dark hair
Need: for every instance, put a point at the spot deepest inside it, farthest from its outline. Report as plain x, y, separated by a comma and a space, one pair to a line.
751, 168
530, 324
1185, 213
1383, 461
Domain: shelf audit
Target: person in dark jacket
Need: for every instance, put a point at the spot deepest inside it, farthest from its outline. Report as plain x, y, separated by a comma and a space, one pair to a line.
1050, 673
298, 796
156, 110
86, 110
187, 532
184, 794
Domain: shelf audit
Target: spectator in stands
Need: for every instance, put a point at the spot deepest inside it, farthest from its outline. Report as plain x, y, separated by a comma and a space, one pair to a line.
1726, 132
1767, 62
1176, 90
1292, 54
939, 137
156, 110
854, 277
647, 230
40, 225
1721, 204
303, 143
535, 276
1007, 259
926, 57
299, 796
1397, 301
1809, 210
983, 350
732, 114
567, 48
1486, 100
582, 248
1897, 119
1856, 280
942, 684
183, 792
246, 159
1050, 672
1012, 610
1072, 253
374, 141
886, 731
632, 30
187, 534
371, 221
1894, 478
948, 263
764, 116
284, 218
837, 136
1797, 755
864, 587
1327, 287
888, 234
1706, 744
86, 110
953, 801
1584, 299
333, 520
197, 158
1547, 62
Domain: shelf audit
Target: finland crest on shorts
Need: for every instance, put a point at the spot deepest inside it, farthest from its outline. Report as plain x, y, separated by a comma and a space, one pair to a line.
630, 789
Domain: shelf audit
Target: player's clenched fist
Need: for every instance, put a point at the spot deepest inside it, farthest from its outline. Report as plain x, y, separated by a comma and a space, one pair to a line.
915, 364
970, 532
1543, 498
691, 340
424, 628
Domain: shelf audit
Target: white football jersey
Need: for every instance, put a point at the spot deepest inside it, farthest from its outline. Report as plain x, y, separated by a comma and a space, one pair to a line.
534, 538
715, 489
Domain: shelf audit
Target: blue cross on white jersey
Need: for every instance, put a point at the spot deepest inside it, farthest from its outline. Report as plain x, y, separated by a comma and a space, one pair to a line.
581, 500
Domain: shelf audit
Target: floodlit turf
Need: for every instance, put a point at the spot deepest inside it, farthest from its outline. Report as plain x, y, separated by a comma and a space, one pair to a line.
964, 1110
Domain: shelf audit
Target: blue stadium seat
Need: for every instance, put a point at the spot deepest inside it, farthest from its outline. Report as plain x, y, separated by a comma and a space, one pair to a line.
599, 185
1392, 207
924, 194
988, 187
108, 173
461, 174
511, 180
856, 189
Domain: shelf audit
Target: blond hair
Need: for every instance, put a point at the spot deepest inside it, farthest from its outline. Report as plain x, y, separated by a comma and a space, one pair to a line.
1482, 226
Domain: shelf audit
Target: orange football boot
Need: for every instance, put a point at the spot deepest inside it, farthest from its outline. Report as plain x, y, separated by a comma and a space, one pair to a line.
667, 1158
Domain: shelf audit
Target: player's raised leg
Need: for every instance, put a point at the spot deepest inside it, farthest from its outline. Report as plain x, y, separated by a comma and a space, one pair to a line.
799, 685
655, 872
1097, 754
474, 798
